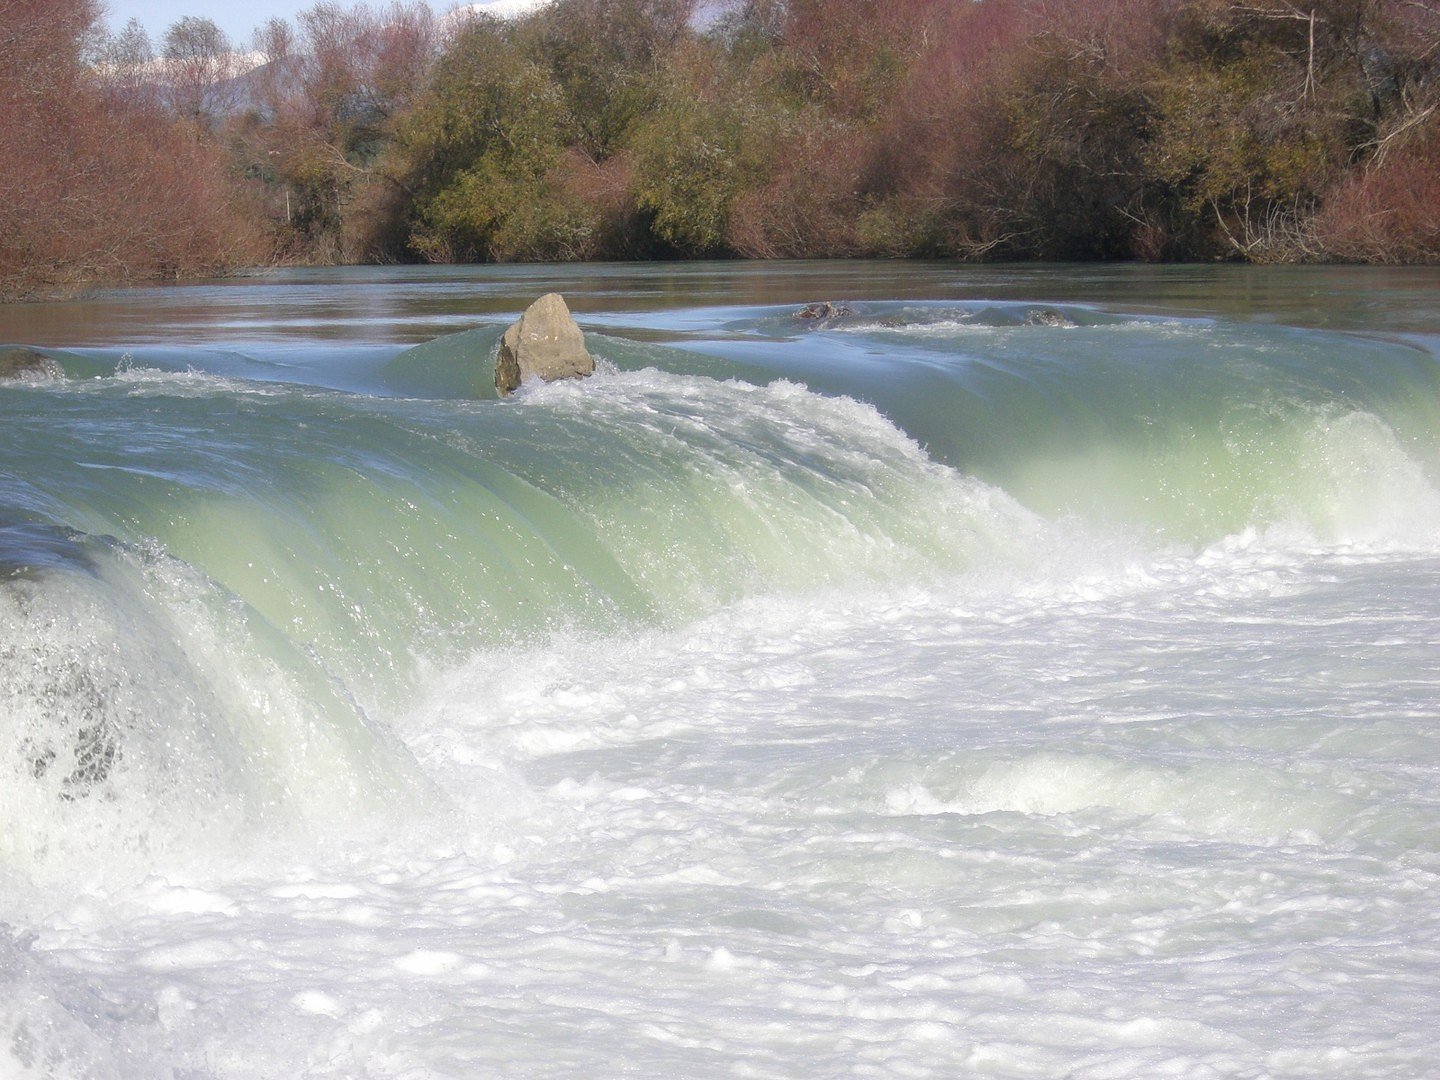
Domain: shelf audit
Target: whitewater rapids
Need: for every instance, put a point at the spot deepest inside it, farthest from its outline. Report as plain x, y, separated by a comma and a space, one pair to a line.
937, 692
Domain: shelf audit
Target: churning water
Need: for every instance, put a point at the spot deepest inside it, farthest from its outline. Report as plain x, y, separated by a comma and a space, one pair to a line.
1020, 673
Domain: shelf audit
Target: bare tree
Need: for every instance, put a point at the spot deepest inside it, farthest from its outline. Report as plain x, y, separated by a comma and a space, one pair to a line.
200, 69
124, 63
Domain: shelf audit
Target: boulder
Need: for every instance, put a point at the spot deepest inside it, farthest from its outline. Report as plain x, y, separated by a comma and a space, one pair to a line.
18, 362
544, 343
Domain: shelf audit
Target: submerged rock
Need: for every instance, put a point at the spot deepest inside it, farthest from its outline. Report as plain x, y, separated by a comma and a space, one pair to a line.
18, 362
1046, 317
544, 343
823, 312
28, 549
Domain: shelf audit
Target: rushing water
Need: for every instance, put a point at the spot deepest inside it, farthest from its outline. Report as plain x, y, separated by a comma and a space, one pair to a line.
1026, 673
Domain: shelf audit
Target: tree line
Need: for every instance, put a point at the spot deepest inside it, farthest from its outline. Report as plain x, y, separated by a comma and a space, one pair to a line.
1259, 130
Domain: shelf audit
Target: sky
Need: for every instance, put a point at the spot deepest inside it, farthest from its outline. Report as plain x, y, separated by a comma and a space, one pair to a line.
238, 18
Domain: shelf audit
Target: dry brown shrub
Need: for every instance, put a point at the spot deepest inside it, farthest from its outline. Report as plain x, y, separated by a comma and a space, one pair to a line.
808, 207
602, 192
1387, 213
937, 167
851, 53
100, 184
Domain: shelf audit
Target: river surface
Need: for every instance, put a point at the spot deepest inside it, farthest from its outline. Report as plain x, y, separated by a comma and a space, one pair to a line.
1018, 672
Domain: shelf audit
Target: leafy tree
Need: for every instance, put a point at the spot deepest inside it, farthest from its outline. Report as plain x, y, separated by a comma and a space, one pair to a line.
1255, 121
1249, 129
478, 150
607, 57
1078, 131
705, 146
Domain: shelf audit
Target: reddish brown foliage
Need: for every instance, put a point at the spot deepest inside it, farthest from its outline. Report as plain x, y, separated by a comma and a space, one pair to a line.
325, 104
1128, 35
935, 165
1189, 129
1387, 213
98, 184
851, 53
605, 190
808, 208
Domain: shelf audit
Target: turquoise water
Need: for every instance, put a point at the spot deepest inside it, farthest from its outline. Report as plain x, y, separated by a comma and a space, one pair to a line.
1024, 672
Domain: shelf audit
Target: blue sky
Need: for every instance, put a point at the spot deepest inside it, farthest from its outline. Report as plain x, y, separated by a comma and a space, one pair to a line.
238, 18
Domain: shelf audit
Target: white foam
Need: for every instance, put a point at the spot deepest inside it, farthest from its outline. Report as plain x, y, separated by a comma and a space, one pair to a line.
1086, 807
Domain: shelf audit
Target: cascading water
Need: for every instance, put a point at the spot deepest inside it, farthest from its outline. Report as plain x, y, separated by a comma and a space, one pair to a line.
965, 683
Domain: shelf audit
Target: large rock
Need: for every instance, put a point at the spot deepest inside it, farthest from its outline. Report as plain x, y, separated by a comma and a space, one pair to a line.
19, 362
544, 344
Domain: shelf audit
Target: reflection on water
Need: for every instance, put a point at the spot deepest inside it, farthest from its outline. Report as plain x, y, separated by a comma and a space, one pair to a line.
407, 304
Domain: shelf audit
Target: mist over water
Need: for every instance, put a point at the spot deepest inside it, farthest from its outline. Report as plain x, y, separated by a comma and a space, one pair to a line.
1015, 673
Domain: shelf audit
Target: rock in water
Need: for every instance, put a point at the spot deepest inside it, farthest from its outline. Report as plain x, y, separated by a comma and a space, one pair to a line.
1046, 317
19, 362
824, 312
545, 343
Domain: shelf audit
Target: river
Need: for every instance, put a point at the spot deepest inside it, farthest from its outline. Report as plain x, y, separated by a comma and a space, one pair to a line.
1016, 672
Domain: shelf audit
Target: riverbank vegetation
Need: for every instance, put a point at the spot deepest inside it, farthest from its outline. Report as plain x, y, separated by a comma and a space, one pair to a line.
1260, 130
